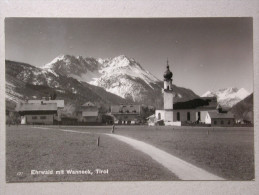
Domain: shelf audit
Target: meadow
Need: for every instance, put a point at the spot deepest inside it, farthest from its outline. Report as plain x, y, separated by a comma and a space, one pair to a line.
226, 152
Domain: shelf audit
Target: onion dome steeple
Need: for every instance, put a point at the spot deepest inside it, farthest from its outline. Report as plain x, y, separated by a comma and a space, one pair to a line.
168, 74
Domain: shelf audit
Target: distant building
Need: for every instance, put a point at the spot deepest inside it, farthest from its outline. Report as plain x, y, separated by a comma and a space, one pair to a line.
126, 114
215, 118
34, 113
88, 112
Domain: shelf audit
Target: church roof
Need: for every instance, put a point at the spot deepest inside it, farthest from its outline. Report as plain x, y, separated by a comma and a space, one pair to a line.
195, 103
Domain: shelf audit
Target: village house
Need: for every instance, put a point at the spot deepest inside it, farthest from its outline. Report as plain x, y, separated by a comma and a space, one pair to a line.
215, 118
60, 105
89, 113
126, 114
34, 113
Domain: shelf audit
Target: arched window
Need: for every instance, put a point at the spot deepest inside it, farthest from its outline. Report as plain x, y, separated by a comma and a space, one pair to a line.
199, 116
178, 116
188, 116
159, 116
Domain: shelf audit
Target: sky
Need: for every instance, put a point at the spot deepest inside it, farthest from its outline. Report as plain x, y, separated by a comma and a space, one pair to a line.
204, 53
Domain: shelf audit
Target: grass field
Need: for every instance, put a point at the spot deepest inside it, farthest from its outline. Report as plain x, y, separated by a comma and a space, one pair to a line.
226, 152
38, 149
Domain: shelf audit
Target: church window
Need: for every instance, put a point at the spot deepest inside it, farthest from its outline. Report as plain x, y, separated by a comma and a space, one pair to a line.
188, 116
159, 116
34, 117
178, 116
222, 122
215, 122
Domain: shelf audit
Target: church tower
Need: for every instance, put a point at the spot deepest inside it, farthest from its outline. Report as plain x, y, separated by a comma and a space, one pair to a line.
169, 95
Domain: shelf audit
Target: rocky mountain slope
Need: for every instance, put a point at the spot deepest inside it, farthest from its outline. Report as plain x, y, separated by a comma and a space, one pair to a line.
228, 97
243, 110
24, 81
120, 75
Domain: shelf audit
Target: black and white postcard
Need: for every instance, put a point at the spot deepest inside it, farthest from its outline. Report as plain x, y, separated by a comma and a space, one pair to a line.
129, 99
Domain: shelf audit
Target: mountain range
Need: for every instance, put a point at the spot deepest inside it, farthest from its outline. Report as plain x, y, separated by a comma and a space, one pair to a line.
120, 75
228, 97
77, 80
103, 81
24, 81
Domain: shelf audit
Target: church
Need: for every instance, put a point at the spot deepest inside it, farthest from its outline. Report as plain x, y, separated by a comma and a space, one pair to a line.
188, 112
167, 114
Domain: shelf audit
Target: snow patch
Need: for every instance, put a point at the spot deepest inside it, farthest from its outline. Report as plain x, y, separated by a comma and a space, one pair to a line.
228, 96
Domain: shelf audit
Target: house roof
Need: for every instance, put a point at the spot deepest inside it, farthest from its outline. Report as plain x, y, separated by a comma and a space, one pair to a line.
37, 107
215, 114
60, 103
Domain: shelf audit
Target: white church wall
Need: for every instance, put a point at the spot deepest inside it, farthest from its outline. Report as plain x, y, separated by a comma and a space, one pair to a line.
183, 115
207, 119
169, 115
168, 85
203, 116
168, 100
177, 123
160, 114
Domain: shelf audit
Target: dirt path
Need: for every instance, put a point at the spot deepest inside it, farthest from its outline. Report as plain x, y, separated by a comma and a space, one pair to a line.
181, 168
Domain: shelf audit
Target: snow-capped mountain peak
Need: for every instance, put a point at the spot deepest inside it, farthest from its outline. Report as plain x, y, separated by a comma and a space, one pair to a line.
228, 96
120, 75
55, 60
